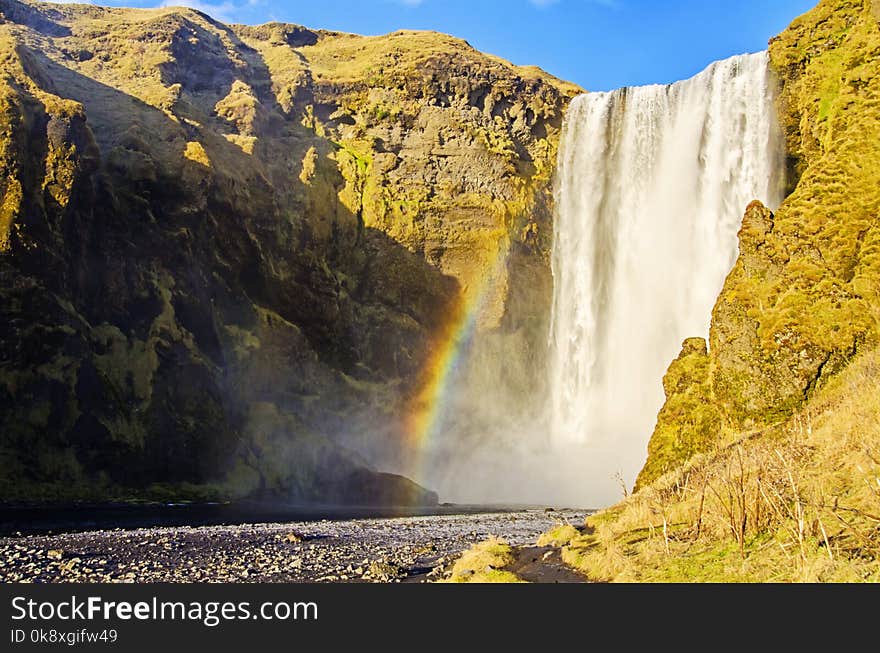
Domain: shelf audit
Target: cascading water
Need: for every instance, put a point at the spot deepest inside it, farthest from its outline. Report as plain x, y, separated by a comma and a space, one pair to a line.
653, 183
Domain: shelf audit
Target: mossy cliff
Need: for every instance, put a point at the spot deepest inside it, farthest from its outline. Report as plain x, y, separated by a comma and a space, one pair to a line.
795, 502
764, 465
804, 297
224, 250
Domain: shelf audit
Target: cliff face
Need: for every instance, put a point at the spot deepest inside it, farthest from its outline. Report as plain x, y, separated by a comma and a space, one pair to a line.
224, 250
803, 298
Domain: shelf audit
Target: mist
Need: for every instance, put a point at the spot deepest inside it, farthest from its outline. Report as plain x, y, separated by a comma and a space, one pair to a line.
652, 184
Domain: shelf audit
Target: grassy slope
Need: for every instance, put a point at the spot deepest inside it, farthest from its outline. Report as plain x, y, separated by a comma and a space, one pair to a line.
804, 297
798, 502
765, 464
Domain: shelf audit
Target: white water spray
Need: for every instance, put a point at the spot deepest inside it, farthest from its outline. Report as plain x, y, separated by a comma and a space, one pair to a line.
653, 184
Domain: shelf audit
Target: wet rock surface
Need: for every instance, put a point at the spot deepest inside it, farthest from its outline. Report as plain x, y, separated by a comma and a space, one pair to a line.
407, 549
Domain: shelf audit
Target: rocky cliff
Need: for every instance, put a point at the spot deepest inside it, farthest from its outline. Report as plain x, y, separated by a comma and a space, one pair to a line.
804, 297
225, 250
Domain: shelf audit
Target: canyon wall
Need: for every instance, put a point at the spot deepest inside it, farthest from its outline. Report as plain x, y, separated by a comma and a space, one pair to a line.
803, 297
225, 250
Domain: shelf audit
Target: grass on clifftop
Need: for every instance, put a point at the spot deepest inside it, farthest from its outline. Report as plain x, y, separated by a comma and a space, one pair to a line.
795, 503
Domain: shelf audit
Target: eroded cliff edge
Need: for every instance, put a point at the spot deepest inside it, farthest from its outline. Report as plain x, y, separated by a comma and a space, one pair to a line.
804, 296
224, 250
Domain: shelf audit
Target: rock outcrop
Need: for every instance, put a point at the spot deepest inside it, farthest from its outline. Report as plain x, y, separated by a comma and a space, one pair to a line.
804, 296
224, 250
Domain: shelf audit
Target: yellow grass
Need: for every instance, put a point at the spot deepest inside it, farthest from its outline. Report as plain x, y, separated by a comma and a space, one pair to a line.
559, 536
484, 563
796, 503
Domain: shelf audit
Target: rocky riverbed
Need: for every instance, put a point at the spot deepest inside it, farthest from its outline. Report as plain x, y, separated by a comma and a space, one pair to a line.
405, 549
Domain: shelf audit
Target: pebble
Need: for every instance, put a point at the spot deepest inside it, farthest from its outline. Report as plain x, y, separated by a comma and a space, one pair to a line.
364, 550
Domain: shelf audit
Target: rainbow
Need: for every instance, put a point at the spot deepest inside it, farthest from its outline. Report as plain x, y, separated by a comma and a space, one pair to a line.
424, 410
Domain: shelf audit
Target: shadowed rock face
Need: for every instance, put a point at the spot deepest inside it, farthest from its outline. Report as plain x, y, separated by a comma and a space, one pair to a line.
225, 249
803, 298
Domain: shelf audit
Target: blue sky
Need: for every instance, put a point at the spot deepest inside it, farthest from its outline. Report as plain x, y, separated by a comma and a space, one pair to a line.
599, 44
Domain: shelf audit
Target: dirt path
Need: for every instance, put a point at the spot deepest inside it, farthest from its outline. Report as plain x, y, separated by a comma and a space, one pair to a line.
543, 564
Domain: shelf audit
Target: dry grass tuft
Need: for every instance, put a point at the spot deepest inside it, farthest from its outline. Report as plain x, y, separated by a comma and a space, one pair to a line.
559, 536
484, 563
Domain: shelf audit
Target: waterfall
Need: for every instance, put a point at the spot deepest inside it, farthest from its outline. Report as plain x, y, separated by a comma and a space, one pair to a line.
652, 186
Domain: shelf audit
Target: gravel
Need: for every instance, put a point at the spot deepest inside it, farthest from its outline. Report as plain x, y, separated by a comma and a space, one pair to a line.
407, 549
